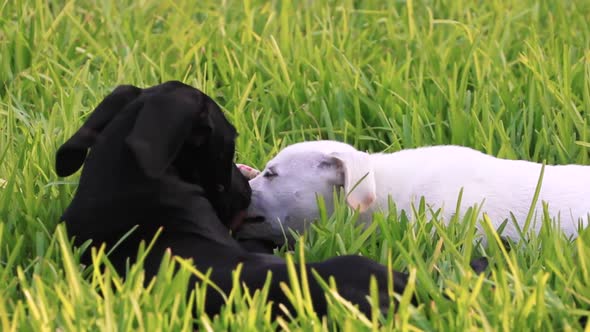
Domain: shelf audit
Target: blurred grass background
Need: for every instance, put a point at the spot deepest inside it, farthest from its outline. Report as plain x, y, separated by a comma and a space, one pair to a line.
510, 78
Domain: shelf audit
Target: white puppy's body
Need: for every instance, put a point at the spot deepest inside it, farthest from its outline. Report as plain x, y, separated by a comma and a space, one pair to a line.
285, 192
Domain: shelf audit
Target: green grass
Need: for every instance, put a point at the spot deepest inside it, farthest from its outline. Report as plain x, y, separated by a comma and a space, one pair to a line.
509, 78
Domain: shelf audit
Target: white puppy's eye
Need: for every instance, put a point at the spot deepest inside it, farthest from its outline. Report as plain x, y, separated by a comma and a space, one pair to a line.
270, 173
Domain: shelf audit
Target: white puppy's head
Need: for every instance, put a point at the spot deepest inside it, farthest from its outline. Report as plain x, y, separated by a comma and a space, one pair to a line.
284, 194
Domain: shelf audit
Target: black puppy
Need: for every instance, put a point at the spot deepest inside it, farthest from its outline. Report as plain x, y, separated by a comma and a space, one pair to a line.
163, 157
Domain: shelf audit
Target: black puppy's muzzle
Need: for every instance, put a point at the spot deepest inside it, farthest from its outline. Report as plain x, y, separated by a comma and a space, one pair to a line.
237, 221
254, 220
230, 200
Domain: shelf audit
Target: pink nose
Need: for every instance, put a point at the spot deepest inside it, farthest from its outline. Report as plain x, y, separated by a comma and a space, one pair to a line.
248, 171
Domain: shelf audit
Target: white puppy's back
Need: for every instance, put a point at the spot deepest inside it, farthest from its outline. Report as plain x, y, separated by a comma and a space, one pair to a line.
439, 172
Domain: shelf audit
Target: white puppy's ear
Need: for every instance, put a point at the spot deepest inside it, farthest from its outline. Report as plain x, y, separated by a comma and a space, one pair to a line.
357, 176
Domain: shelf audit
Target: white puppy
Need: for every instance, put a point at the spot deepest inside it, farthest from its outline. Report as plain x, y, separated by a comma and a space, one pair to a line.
284, 194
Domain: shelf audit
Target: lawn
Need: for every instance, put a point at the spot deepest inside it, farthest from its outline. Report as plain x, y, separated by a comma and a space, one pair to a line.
509, 78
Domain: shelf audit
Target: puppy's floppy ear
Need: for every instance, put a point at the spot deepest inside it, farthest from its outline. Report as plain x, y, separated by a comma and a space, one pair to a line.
163, 125
71, 155
358, 178
221, 145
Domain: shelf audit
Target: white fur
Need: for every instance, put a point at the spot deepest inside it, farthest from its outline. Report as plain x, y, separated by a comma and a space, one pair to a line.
436, 173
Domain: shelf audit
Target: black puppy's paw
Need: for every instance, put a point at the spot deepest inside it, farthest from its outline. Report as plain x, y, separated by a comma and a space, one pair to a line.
479, 265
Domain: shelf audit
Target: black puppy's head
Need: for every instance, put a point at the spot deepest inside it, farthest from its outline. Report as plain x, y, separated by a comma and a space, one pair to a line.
226, 188
177, 131
231, 204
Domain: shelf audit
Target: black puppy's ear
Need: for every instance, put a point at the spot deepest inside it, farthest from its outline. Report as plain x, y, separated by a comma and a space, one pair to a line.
163, 125
71, 155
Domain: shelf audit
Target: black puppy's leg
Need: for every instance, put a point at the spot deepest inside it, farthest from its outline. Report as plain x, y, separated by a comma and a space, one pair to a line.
351, 273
